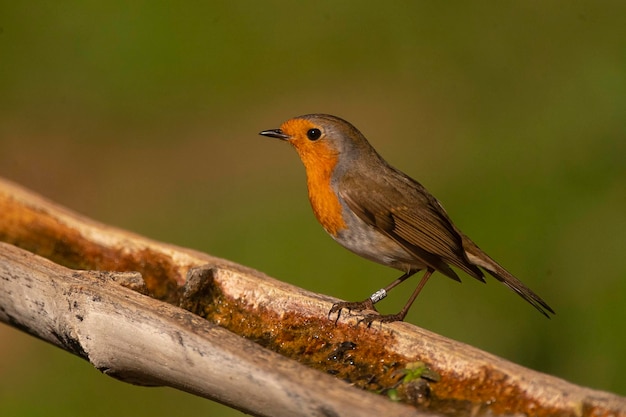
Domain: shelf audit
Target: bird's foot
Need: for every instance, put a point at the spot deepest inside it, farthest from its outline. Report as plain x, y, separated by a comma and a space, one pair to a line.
368, 319
351, 306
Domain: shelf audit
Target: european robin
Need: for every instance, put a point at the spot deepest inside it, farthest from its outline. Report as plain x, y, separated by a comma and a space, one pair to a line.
380, 213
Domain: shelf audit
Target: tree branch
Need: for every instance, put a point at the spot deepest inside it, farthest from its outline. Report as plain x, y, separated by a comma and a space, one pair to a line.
238, 332
140, 340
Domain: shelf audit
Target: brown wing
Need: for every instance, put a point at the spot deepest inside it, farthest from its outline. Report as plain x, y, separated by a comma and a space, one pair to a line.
406, 212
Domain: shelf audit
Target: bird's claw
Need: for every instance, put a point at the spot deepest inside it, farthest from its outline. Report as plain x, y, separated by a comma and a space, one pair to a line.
351, 306
387, 318
367, 319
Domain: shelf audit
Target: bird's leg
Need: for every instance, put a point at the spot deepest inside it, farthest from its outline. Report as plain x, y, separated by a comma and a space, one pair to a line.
368, 304
402, 314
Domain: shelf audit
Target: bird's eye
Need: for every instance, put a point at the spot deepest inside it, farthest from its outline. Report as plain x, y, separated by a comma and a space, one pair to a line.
314, 134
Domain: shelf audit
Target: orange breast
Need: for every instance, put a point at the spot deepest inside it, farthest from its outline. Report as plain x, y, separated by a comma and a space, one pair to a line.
320, 162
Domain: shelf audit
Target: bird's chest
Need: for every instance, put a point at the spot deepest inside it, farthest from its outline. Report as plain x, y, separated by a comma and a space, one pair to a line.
324, 201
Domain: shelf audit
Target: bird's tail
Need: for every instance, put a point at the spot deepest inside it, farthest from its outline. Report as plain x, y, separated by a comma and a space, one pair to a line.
481, 259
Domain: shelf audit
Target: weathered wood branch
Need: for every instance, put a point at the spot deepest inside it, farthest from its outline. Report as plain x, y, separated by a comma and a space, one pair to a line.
232, 334
145, 341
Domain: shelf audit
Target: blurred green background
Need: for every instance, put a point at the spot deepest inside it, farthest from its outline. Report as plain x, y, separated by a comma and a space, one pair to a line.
145, 115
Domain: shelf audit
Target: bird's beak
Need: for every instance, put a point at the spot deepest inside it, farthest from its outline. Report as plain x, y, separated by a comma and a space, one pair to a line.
274, 133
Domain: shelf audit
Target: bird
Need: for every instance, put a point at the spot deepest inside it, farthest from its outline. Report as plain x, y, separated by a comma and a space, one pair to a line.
382, 214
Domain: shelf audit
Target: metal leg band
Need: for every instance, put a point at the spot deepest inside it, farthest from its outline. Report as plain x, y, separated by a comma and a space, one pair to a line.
378, 295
